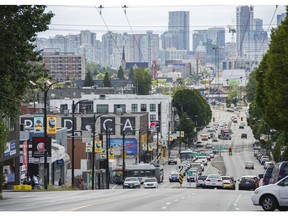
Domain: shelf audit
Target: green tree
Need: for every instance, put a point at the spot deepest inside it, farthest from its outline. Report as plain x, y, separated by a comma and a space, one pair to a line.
88, 79
272, 77
187, 125
251, 87
190, 101
120, 74
142, 81
107, 81
131, 74
19, 27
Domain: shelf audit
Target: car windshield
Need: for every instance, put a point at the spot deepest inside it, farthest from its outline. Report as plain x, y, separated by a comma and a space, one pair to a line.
150, 180
173, 156
132, 179
174, 175
202, 177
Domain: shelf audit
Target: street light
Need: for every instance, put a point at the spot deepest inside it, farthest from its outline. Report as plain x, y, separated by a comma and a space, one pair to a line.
123, 156
93, 149
73, 140
107, 158
46, 170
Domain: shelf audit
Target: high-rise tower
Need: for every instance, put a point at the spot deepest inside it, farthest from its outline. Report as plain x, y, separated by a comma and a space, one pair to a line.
178, 27
244, 24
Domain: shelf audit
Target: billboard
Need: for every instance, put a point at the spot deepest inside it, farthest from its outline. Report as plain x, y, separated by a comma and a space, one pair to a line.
130, 145
10, 149
39, 146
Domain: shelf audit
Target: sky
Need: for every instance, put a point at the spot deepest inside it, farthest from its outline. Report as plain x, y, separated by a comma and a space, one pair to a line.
140, 16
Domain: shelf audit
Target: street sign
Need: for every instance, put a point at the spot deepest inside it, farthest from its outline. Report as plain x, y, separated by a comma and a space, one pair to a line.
189, 172
181, 179
179, 168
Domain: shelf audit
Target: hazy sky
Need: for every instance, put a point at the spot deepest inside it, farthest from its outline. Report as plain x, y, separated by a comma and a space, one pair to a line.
149, 15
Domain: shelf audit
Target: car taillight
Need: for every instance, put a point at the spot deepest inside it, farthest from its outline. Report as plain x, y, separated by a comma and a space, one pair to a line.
196, 180
280, 174
208, 180
219, 180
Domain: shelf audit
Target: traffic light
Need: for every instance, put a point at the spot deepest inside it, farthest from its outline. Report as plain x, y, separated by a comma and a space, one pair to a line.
182, 134
230, 151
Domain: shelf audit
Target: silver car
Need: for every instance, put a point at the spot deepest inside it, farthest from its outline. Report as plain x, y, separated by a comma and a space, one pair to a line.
214, 180
131, 182
150, 183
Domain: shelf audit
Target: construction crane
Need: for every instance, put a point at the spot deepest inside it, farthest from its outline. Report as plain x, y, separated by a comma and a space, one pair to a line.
231, 30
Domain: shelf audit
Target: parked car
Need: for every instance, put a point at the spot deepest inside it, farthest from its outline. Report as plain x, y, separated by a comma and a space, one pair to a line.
214, 180
229, 182
280, 171
200, 181
172, 159
273, 196
248, 183
243, 135
174, 176
150, 183
264, 159
132, 182
249, 165
268, 164
266, 176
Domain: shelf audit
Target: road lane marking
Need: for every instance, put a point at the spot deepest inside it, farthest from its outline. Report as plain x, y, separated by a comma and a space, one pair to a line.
103, 201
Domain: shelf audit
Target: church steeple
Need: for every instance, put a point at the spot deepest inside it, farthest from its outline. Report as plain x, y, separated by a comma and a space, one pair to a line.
123, 61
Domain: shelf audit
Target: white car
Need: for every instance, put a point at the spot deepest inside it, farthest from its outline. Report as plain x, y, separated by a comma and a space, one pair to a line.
150, 183
203, 159
272, 196
214, 180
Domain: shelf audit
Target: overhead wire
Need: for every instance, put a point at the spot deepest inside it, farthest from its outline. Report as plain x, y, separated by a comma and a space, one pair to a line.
110, 32
134, 38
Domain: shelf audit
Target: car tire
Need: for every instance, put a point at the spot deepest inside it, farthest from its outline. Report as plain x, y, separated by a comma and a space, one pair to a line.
268, 203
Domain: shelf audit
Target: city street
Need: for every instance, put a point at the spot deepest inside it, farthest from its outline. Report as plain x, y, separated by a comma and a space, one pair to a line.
168, 197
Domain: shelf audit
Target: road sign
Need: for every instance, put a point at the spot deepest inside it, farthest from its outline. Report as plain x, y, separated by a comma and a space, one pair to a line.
189, 172
181, 179
179, 168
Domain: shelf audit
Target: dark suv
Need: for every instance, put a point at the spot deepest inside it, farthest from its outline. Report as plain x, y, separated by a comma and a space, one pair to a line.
172, 159
280, 170
267, 175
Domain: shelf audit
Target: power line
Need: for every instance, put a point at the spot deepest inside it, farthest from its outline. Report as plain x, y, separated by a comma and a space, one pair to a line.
134, 38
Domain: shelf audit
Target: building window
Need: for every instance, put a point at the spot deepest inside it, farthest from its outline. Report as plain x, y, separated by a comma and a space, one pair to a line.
143, 107
102, 108
118, 107
152, 107
134, 108
152, 118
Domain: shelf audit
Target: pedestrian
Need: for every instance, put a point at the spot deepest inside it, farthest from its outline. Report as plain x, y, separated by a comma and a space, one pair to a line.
60, 182
80, 182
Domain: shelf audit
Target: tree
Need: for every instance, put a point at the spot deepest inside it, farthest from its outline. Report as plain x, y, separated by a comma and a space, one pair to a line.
131, 74
19, 27
107, 81
188, 126
191, 102
120, 74
88, 79
142, 81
